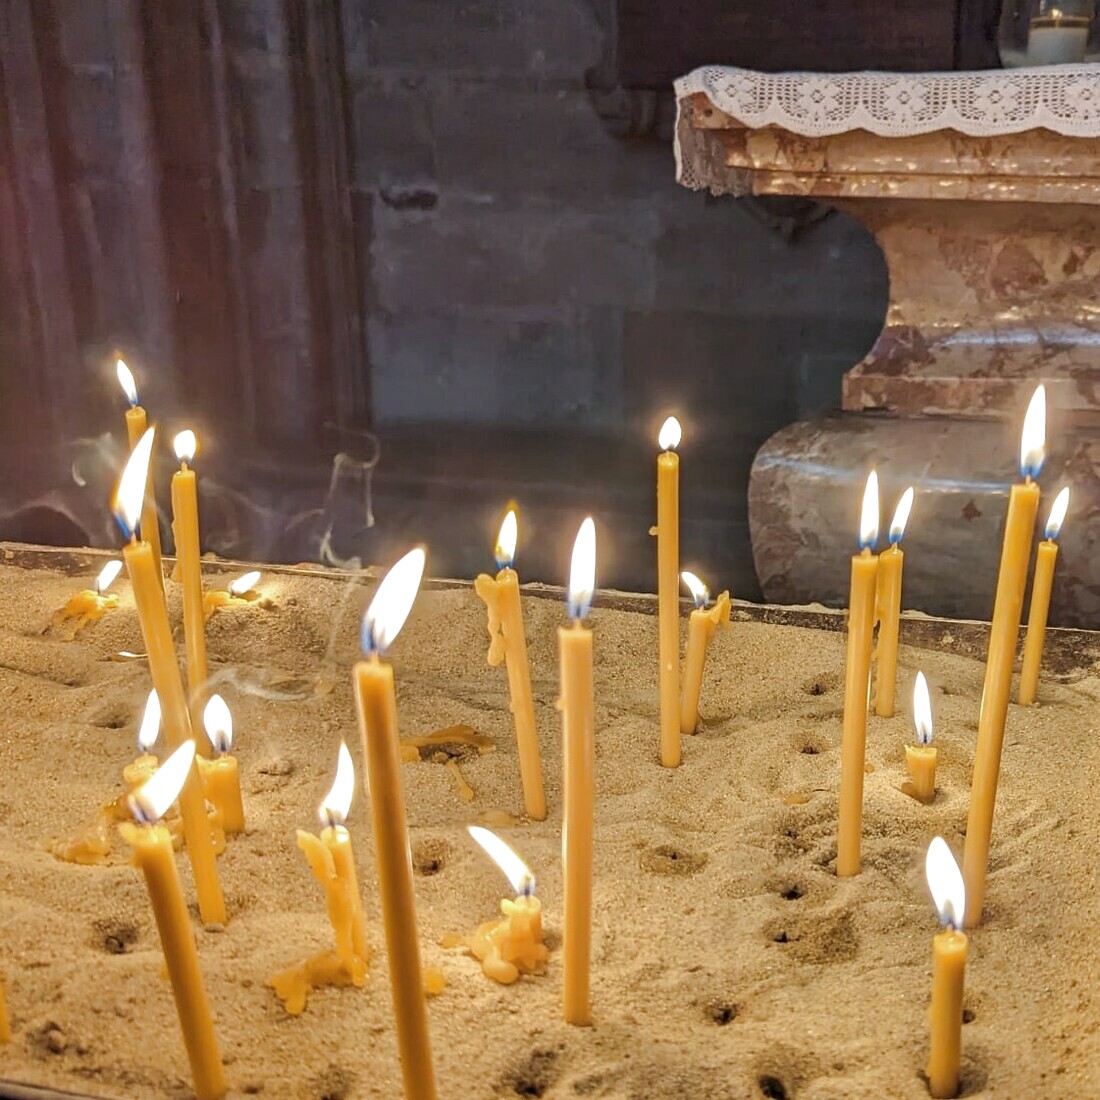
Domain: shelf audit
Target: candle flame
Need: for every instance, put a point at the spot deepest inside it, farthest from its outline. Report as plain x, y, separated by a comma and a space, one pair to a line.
582, 571
699, 591
504, 856
868, 520
131, 486
922, 710
335, 805
945, 881
1033, 436
149, 730
901, 516
505, 551
107, 575
1057, 514
244, 583
185, 445
668, 438
126, 381
150, 802
392, 602
218, 723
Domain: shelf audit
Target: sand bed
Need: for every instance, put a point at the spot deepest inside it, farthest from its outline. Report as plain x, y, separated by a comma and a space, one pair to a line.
729, 961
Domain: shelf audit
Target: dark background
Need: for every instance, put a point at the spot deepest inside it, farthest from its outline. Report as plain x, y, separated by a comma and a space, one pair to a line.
441, 223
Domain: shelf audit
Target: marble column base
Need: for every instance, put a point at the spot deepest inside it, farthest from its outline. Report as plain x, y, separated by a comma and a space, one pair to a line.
807, 482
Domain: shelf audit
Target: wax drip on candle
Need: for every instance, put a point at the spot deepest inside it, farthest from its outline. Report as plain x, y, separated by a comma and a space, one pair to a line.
868, 520
901, 516
1057, 515
392, 602
131, 486
1033, 435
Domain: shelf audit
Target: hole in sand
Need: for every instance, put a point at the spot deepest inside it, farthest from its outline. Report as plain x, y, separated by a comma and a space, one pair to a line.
667, 859
772, 1087
792, 893
721, 1012
116, 937
335, 1083
821, 684
430, 856
535, 1076
110, 716
810, 749
968, 1016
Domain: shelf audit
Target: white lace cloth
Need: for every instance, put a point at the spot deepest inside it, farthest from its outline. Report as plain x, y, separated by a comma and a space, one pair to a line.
1062, 98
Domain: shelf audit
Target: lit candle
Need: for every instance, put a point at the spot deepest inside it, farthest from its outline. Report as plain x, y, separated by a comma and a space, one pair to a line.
332, 861
507, 643
221, 782
140, 770
578, 780
1023, 503
165, 671
891, 562
702, 626
377, 710
152, 845
861, 625
1055, 38
136, 424
1045, 557
185, 527
668, 588
89, 604
921, 758
238, 593
948, 970
513, 944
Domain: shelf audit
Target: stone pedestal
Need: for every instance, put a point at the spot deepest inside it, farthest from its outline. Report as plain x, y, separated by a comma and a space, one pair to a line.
993, 251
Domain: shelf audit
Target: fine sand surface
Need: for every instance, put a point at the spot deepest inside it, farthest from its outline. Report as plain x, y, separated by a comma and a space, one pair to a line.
728, 959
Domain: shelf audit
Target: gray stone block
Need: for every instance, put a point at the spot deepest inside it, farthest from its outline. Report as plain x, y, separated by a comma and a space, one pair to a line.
391, 118
497, 368
469, 254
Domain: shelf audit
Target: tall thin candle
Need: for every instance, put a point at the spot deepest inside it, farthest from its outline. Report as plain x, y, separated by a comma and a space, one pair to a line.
1023, 503
668, 589
136, 425
861, 625
891, 562
377, 708
579, 747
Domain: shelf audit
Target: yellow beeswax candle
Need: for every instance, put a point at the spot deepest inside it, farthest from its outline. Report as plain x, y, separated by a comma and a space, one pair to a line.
921, 758
90, 604
376, 705
165, 672
152, 855
578, 778
949, 949
891, 563
1023, 503
185, 527
861, 623
5, 1021
240, 593
1042, 583
221, 780
332, 861
702, 625
513, 944
136, 426
508, 643
668, 589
